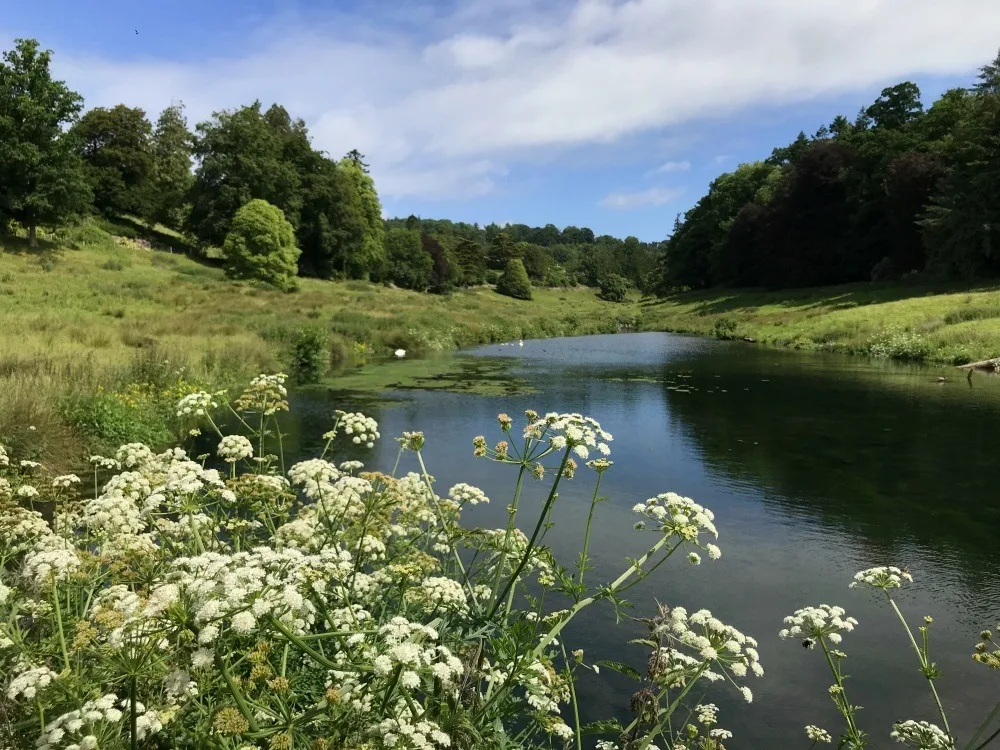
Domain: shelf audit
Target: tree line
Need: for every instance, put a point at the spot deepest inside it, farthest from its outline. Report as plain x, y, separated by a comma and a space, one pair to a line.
896, 191
58, 163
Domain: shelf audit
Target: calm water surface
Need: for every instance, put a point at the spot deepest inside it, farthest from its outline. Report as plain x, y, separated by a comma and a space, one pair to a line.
815, 467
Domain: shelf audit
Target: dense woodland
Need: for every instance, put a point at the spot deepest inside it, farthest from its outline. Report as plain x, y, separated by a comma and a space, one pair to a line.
58, 163
898, 190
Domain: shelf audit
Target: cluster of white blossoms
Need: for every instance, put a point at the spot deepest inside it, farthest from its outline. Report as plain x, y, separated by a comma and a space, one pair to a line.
466, 494
823, 621
678, 516
358, 427
923, 735
196, 404
715, 644
265, 394
52, 559
437, 593
27, 491
313, 475
134, 455
816, 734
102, 462
882, 578
29, 681
579, 433
330, 600
65, 481
400, 732
84, 728
5, 489
4, 457
233, 448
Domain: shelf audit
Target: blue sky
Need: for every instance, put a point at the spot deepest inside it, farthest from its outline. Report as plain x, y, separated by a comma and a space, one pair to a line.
612, 114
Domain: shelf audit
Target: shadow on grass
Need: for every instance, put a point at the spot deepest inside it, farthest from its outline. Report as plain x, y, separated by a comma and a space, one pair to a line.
159, 238
20, 246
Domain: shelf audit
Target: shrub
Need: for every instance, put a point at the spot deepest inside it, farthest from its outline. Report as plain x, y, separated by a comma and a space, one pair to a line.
514, 282
896, 343
614, 288
725, 328
261, 246
115, 264
309, 355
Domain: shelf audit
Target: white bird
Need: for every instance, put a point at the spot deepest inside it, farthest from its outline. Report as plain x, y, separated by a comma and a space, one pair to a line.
401, 353
521, 342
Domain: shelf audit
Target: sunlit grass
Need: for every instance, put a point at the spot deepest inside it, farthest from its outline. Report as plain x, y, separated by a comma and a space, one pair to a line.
953, 324
73, 320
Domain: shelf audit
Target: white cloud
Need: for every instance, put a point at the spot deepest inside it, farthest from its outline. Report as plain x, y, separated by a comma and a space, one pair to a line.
650, 197
673, 166
503, 79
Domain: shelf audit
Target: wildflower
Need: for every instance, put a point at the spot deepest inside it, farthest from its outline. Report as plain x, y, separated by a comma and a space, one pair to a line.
501, 450
747, 694
714, 552
4, 458
922, 734
823, 621
600, 465
244, 622
413, 441
884, 578
707, 713
29, 682
357, 426
570, 470
232, 448
229, 721
694, 558
26, 490
505, 422
100, 462
196, 404
265, 394
465, 493
818, 735
538, 471
479, 446
28, 465
66, 480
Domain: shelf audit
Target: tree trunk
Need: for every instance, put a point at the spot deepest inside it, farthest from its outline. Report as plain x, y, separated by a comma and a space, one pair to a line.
32, 236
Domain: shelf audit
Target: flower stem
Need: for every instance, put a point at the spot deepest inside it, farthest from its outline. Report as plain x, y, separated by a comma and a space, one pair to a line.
924, 664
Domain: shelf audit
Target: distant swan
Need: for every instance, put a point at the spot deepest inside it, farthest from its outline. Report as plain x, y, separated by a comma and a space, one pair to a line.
401, 352
521, 342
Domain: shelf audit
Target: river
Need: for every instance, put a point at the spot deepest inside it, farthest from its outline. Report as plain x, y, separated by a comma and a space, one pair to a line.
815, 466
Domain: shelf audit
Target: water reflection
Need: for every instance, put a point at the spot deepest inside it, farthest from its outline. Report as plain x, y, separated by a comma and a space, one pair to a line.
814, 466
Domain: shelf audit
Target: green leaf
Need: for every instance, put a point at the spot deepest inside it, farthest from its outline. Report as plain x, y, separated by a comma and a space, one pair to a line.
621, 668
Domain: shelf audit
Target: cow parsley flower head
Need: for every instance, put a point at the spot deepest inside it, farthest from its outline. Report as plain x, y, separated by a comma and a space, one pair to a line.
196, 404
265, 394
575, 431
678, 516
816, 734
4, 458
360, 429
922, 734
823, 621
65, 481
233, 448
884, 578
463, 494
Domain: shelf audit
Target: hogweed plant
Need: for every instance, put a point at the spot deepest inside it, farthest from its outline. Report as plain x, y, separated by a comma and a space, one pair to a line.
825, 626
320, 605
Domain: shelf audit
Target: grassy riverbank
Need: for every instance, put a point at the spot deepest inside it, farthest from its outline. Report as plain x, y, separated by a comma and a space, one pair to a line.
941, 323
91, 315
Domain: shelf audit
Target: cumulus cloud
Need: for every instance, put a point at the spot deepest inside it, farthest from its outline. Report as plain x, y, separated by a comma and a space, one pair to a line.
443, 104
650, 197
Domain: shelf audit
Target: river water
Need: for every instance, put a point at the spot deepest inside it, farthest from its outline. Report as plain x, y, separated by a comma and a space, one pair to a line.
815, 466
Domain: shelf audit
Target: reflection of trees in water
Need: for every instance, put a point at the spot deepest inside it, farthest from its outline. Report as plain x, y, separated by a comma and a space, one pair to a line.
886, 464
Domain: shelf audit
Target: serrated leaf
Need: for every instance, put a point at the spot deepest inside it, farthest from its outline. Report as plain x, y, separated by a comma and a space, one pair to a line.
624, 669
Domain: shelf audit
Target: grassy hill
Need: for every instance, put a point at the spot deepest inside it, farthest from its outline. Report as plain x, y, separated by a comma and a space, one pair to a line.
89, 313
940, 323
